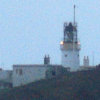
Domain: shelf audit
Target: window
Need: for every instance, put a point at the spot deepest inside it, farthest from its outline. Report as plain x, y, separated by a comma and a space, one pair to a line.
20, 71
78, 55
16, 71
66, 55
53, 73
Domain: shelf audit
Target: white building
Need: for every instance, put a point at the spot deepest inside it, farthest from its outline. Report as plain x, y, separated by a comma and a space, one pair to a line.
70, 47
24, 74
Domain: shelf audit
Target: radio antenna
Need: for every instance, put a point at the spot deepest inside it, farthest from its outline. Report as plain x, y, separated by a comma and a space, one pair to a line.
74, 13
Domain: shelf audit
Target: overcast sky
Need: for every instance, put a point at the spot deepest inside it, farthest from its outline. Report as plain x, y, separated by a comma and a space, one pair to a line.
29, 29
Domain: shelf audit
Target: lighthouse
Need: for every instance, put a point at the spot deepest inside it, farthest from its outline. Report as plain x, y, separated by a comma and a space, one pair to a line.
70, 46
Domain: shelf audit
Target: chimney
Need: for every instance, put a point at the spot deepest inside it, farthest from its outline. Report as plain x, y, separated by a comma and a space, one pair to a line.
86, 61
46, 60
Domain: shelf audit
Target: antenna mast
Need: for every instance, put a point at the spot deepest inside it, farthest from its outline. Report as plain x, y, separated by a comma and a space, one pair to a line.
74, 13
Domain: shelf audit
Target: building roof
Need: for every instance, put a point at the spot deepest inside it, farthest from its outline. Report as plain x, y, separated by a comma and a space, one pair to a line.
36, 65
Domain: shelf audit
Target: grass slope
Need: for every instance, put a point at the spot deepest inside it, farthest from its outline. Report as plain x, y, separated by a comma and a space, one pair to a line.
83, 85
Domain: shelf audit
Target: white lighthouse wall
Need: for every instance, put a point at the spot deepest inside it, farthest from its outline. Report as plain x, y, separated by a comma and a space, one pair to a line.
28, 75
70, 59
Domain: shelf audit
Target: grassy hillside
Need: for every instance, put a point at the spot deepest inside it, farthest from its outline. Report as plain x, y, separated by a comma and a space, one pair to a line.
83, 85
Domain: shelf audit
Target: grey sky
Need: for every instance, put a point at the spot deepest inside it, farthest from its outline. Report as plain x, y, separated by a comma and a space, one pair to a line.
29, 29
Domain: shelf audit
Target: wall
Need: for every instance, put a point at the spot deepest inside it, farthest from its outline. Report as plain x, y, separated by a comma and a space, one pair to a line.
26, 74
71, 59
6, 76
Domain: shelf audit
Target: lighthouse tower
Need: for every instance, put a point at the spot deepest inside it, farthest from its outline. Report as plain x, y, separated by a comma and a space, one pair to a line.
70, 46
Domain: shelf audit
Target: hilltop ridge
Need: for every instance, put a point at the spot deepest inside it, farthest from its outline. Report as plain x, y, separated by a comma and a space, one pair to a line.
81, 85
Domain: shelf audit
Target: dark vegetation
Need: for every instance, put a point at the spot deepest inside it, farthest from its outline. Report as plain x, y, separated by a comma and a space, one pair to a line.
83, 85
